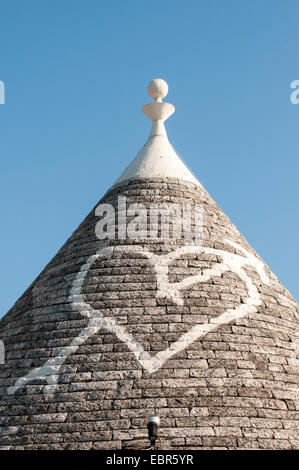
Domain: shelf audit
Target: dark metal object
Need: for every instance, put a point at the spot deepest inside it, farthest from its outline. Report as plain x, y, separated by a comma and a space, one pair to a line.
153, 423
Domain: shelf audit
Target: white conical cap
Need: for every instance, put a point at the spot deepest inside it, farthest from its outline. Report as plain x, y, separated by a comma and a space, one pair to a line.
158, 158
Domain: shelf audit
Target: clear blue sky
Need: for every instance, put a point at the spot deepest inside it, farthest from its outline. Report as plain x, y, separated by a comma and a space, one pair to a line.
76, 74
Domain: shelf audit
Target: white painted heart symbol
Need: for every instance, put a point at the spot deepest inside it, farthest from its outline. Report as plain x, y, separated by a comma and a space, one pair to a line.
230, 262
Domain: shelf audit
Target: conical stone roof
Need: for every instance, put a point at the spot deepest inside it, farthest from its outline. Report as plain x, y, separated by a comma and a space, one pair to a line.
190, 326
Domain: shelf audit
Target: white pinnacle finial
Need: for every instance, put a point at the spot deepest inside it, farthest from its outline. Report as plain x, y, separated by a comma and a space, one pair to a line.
158, 110
157, 89
157, 158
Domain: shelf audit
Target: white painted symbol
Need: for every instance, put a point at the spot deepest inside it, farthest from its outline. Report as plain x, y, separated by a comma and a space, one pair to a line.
160, 263
294, 360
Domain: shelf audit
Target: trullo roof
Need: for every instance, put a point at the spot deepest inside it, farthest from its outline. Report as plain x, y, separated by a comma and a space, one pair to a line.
156, 314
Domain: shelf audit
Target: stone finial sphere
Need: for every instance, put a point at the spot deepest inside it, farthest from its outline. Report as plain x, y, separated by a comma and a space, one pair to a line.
157, 88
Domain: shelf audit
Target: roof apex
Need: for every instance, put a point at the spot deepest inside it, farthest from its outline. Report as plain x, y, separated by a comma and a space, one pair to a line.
158, 158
